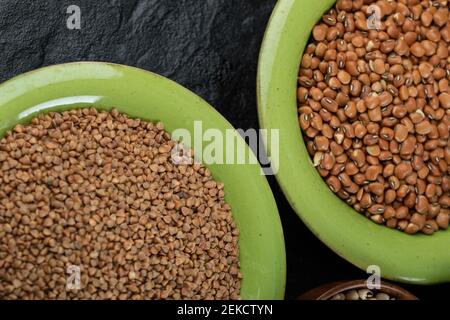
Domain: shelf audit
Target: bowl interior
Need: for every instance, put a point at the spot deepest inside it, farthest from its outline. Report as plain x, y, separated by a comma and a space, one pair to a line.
151, 97
327, 291
416, 259
386, 287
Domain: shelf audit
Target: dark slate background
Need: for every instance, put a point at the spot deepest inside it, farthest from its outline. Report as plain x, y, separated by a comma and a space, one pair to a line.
209, 46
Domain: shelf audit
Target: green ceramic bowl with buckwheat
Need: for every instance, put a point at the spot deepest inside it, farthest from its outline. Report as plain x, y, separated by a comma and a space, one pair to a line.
418, 259
145, 95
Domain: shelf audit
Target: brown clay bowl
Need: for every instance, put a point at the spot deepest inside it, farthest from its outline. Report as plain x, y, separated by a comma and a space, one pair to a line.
327, 291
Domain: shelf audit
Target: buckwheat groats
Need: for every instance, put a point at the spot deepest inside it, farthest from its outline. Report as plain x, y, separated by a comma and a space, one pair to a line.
374, 109
98, 191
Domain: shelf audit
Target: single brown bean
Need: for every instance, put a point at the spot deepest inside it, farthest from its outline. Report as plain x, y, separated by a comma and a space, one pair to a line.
376, 188
376, 209
334, 184
320, 32
358, 157
328, 161
372, 101
344, 77
351, 169
402, 170
444, 100
401, 212
400, 132
419, 220
390, 196
329, 104
412, 228
423, 127
407, 147
345, 179
422, 205
442, 220
417, 50
322, 143
430, 227
403, 191
372, 172
388, 170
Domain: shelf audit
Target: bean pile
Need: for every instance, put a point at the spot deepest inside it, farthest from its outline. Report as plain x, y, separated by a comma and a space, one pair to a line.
98, 190
374, 109
362, 294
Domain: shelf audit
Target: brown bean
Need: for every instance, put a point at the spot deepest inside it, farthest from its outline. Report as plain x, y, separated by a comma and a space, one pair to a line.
441, 16
345, 179
372, 101
373, 150
358, 157
403, 191
422, 205
402, 170
387, 133
423, 127
407, 147
401, 47
322, 143
344, 77
304, 121
320, 32
388, 170
418, 50
430, 227
376, 209
359, 179
426, 18
351, 169
412, 228
444, 99
372, 172
376, 188
389, 196
377, 66
329, 104
391, 223
360, 130
334, 184
442, 220
316, 121
400, 132
401, 212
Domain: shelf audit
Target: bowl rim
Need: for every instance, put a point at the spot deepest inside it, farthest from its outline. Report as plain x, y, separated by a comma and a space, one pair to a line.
279, 61
278, 234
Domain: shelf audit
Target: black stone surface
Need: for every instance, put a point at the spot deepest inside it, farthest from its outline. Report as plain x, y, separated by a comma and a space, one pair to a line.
209, 46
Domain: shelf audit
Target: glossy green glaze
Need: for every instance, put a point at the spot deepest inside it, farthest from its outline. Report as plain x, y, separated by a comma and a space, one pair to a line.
416, 259
151, 97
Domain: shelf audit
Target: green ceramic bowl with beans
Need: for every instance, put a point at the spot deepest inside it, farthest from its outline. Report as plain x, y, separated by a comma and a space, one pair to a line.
145, 95
418, 259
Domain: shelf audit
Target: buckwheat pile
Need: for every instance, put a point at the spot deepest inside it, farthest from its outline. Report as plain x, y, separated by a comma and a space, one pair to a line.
98, 191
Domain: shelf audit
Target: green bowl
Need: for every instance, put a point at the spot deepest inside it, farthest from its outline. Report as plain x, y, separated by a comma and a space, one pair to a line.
417, 259
148, 96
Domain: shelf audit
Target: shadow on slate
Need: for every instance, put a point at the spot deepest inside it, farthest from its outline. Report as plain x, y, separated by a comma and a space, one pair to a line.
209, 46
